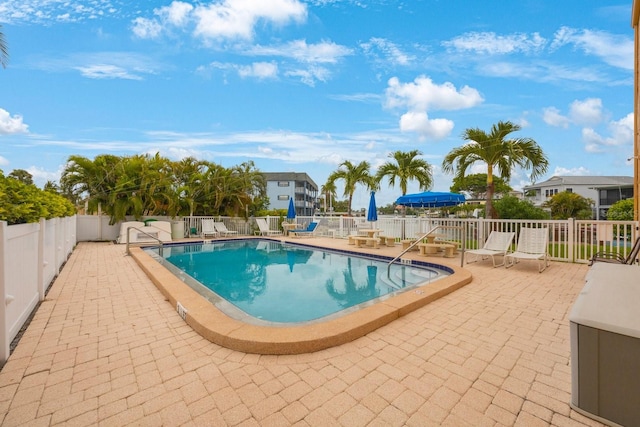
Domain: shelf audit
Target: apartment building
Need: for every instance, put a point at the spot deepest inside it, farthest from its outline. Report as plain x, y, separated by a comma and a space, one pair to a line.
282, 186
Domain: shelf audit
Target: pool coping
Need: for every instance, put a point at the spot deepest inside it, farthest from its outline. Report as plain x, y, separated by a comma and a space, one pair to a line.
217, 327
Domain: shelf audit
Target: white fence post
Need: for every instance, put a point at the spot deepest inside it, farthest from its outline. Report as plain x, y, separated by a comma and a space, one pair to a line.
571, 255
41, 257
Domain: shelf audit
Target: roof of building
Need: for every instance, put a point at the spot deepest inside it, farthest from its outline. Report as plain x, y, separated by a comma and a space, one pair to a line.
289, 176
592, 181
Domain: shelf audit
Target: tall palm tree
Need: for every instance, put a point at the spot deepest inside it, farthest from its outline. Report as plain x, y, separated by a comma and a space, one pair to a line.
499, 153
407, 166
352, 175
4, 50
330, 191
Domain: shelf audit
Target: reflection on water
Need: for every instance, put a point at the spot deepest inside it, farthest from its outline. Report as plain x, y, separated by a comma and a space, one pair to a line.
353, 293
286, 283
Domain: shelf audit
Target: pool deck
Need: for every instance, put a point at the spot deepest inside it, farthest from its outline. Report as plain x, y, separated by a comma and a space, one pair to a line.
107, 348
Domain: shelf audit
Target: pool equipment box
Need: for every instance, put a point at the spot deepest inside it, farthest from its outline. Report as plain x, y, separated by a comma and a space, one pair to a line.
605, 345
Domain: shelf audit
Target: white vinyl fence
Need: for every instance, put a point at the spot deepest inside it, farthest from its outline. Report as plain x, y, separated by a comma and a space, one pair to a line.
31, 255
569, 240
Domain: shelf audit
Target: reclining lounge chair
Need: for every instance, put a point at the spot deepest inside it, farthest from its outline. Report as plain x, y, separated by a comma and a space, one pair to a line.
307, 232
264, 228
498, 243
223, 230
532, 244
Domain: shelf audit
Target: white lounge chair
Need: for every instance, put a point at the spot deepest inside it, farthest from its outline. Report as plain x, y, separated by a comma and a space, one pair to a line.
532, 244
264, 228
209, 229
223, 230
498, 243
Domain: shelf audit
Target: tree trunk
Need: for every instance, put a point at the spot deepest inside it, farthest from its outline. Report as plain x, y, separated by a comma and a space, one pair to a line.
489, 210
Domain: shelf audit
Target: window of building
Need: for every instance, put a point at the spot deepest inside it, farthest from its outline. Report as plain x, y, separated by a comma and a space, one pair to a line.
283, 184
569, 190
283, 197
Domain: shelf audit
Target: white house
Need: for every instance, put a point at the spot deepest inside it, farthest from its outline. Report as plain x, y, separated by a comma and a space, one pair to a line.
603, 190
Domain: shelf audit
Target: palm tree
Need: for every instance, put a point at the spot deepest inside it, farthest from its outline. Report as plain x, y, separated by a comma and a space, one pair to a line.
352, 175
499, 153
4, 50
330, 191
406, 167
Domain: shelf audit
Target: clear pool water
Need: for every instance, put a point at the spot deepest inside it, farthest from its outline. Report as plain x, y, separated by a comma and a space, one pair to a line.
288, 283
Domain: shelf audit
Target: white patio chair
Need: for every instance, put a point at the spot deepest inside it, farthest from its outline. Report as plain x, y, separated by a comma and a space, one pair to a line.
209, 229
223, 230
532, 244
264, 228
497, 244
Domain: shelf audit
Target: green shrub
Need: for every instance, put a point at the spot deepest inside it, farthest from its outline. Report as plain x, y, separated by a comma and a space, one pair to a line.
25, 203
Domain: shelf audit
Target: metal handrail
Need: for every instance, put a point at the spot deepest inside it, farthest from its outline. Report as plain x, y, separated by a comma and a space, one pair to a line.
145, 233
424, 237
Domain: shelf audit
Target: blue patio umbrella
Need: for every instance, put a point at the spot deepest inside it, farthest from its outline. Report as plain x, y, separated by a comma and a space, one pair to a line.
430, 199
372, 213
291, 213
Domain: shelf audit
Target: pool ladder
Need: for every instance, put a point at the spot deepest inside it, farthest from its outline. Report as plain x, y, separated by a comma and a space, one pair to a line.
428, 233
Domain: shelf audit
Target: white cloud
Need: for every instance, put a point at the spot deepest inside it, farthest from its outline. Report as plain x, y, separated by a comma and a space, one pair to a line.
579, 171
221, 20
260, 70
592, 140
552, 117
101, 65
323, 52
236, 19
146, 28
493, 44
105, 71
46, 11
177, 13
11, 124
622, 130
587, 112
424, 94
621, 133
41, 176
382, 50
613, 49
420, 123
310, 75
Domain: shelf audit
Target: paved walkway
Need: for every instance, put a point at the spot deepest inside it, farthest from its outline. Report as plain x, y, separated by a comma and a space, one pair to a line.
106, 349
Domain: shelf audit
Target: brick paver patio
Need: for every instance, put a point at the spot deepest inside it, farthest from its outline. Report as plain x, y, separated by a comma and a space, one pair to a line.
105, 348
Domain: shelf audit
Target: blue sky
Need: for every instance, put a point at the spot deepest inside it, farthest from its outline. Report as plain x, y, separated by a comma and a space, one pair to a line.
303, 85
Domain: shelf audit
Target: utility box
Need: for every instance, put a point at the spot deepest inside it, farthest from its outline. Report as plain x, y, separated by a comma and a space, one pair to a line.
605, 345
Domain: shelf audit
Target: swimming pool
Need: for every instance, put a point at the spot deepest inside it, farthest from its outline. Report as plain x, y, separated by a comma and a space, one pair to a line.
238, 334
260, 281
